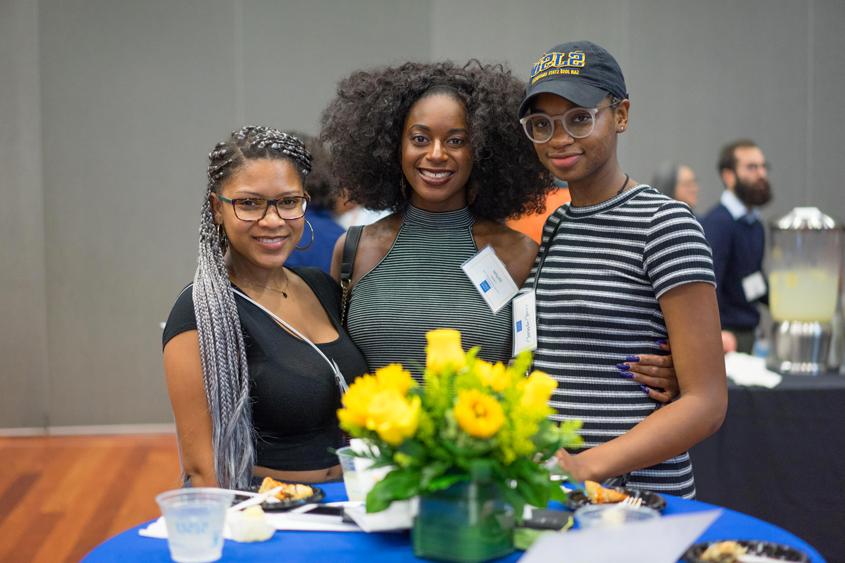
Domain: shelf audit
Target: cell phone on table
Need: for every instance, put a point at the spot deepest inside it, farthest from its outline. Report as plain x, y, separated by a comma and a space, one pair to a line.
324, 510
542, 519
329, 510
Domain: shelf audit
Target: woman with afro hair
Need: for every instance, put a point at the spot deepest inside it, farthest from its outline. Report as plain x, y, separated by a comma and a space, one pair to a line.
435, 144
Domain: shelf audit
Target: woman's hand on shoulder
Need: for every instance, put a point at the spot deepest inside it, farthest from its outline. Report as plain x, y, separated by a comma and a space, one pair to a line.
516, 250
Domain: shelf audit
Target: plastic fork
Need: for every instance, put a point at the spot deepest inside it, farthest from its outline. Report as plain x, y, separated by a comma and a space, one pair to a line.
633, 502
257, 499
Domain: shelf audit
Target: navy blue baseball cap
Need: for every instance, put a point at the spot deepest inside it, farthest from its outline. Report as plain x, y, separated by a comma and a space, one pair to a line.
580, 71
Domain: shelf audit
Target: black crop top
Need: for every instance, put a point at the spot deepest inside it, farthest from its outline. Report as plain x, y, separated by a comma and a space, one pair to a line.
293, 391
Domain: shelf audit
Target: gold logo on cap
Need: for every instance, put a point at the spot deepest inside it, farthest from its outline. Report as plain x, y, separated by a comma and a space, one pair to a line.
572, 60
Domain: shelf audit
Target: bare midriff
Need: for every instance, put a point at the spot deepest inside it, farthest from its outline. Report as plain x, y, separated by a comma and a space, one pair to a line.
312, 476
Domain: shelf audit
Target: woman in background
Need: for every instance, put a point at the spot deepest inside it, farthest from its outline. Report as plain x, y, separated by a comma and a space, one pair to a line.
321, 213
678, 182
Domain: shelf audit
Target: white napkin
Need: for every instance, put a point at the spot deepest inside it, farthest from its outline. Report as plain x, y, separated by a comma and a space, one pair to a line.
290, 520
296, 520
398, 516
750, 370
662, 540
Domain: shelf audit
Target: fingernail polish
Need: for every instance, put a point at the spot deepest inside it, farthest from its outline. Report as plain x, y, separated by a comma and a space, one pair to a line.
623, 367
632, 359
626, 374
645, 389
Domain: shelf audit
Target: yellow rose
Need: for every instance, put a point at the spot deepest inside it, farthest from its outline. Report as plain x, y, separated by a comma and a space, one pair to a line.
378, 403
393, 416
444, 350
356, 403
538, 390
479, 415
493, 376
394, 376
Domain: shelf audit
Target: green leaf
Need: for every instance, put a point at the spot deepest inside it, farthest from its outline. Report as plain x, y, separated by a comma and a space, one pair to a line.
557, 493
446, 481
399, 484
432, 471
413, 448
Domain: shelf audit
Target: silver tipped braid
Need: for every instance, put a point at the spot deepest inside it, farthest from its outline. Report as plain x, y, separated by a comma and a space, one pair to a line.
224, 364
222, 350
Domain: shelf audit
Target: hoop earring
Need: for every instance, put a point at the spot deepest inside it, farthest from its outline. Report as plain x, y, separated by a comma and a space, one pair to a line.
221, 236
307, 246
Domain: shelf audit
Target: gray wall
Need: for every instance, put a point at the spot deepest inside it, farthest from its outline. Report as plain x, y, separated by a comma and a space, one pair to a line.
109, 108
23, 311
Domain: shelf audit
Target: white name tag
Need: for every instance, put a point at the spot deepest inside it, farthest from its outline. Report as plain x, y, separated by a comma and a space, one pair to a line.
490, 277
754, 286
524, 322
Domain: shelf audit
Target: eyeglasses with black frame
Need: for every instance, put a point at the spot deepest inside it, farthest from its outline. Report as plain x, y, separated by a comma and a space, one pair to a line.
578, 123
253, 209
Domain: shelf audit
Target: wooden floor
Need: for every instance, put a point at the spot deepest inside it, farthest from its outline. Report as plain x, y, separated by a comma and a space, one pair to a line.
61, 496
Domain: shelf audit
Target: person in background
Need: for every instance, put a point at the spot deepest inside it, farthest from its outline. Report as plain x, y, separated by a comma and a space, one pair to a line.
620, 267
255, 356
320, 217
678, 182
531, 224
349, 214
736, 235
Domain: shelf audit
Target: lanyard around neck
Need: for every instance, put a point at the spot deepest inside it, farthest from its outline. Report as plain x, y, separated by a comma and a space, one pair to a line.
341, 381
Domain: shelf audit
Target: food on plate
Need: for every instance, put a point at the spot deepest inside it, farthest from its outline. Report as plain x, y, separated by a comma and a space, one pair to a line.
249, 525
290, 491
601, 495
723, 552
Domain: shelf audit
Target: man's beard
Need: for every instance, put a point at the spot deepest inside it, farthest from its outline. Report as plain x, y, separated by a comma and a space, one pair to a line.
753, 195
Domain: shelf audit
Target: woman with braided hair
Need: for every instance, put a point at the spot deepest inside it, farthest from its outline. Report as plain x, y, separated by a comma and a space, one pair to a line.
437, 145
254, 353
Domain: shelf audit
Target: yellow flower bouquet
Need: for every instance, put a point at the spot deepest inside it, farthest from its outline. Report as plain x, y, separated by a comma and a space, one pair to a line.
470, 421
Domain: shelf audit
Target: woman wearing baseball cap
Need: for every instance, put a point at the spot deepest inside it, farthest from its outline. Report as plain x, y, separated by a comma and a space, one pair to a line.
620, 267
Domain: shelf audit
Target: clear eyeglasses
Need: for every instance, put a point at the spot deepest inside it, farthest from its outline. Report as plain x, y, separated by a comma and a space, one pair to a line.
255, 208
577, 122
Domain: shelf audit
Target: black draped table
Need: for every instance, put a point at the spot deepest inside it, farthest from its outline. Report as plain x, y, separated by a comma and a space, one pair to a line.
780, 456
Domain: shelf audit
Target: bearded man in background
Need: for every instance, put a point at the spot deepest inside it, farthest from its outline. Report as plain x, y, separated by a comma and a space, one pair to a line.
737, 238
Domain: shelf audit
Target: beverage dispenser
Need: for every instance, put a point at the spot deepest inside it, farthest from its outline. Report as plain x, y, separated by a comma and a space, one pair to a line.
804, 264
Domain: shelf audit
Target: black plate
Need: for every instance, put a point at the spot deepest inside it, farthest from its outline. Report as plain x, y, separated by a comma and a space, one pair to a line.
763, 548
577, 499
283, 505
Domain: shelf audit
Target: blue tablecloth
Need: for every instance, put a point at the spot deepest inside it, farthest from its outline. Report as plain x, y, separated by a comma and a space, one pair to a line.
354, 546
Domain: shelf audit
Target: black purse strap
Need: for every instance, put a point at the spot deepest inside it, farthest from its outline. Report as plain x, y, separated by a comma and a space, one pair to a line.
350, 249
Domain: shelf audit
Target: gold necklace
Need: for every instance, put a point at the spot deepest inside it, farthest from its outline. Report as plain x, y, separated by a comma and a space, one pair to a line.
282, 291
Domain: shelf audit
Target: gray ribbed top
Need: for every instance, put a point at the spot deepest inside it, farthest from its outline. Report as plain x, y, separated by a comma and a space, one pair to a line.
419, 286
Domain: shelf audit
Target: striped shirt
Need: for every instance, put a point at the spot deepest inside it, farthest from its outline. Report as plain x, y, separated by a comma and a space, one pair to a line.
419, 286
597, 302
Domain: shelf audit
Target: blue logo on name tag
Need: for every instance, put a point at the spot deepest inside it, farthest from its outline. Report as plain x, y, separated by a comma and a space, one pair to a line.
519, 326
485, 287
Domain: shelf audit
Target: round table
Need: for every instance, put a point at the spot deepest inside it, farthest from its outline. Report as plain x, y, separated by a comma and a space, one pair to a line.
386, 547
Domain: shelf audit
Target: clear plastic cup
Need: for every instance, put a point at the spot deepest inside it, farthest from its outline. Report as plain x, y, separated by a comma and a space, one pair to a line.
194, 518
350, 474
608, 515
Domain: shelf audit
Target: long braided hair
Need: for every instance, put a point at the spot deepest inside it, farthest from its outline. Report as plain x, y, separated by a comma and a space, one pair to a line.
222, 350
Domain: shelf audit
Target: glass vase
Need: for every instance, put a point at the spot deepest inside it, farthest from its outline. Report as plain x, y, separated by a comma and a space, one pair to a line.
469, 521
